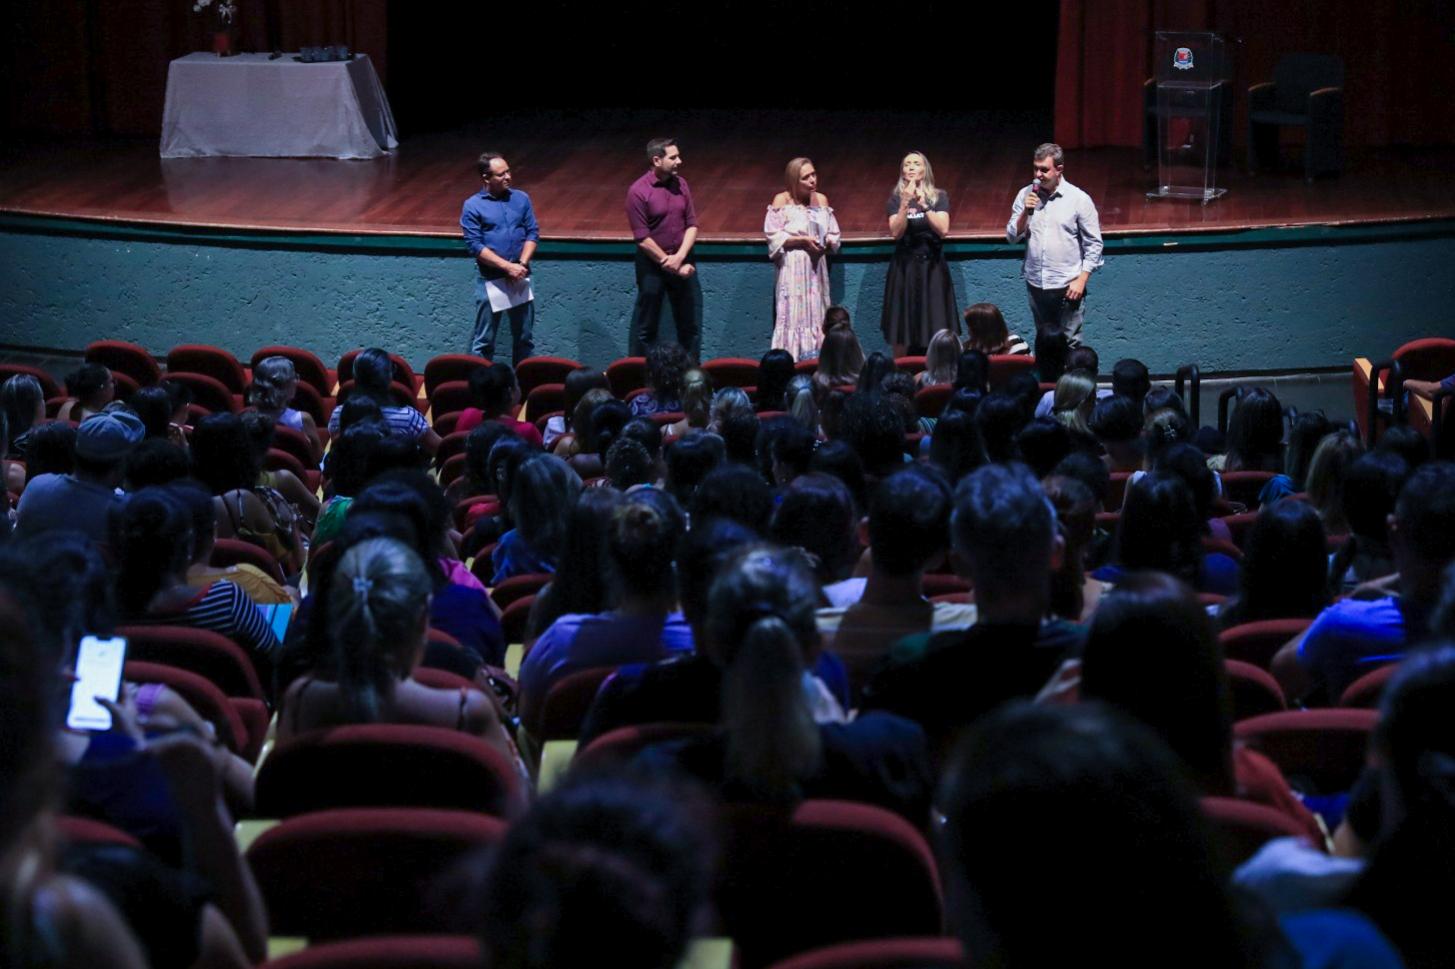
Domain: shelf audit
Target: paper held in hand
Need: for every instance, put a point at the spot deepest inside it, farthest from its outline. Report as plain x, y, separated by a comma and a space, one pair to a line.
505, 293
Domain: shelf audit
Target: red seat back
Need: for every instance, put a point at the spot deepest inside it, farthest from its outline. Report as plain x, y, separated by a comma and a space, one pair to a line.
201, 694
625, 375
450, 445
1244, 486
234, 551
306, 364
543, 399
535, 371
450, 397
1242, 827
385, 765
517, 586
401, 395
1429, 358
912, 364
118, 356
450, 367
567, 703
826, 872
73, 829
360, 872
514, 619
1254, 690
201, 651
215, 362
1003, 366
1368, 690
49, 387
1257, 642
209, 392
913, 953
731, 372
622, 744
930, 401
387, 952
1319, 750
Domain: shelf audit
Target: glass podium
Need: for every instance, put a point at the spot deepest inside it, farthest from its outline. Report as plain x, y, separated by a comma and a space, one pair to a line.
1193, 85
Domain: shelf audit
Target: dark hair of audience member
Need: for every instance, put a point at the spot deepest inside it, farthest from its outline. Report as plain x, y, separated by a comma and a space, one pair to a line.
628, 464
359, 409
898, 388
1371, 486
1004, 526
1425, 514
1409, 873
1076, 507
689, 460
837, 459
1130, 379
373, 373
181, 396
602, 857
416, 497
1324, 479
739, 433
577, 383
769, 430
875, 431
909, 520
52, 450
202, 511
972, 372
151, 535
580, 584
1152, 652
830, 414
607, 420
1160, 399
1407, 442
21, 398
153, 405
155, 461
641, 540
840, 360
1104, 796
834, 317
1255, 433
493, 389
962, 401
1189, 464
647, 433
1159, 528
816, 514
789, 451
760, 629
1085, 359
347, 463
1305, 432
1285, 567
1042, 444
1026, 389
1442, 618
541, 498
955, 445
774, 372
64, 587
876, 366
261, 430
700, 554
1090, 470
1000, 418
506, 457
666, 364
87, 382
478, 444
223, 456
1117, 423
736, 492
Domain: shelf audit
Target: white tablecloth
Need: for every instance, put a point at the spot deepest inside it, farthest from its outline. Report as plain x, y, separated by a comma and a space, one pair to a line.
250, 105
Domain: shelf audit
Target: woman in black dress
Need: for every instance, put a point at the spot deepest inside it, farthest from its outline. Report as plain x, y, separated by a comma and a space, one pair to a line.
919, 295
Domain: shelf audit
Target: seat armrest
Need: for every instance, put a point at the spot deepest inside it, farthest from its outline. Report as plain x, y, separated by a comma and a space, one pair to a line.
1260, 96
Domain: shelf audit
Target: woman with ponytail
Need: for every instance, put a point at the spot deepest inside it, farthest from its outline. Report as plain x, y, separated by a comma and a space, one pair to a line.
378, 611
770, 745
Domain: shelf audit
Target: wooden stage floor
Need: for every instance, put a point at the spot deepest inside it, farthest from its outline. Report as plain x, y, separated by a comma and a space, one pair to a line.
576, 166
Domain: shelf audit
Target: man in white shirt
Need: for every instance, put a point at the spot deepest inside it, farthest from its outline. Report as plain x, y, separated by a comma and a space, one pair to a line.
1063, 248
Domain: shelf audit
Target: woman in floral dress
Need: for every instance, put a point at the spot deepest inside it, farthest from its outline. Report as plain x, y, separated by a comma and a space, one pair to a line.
801, 231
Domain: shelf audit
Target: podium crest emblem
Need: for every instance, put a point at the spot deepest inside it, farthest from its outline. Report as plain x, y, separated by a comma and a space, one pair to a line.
1182, 58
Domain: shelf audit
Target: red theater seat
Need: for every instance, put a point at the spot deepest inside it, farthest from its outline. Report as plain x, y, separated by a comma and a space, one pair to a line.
215, 362
388, 952
535, 371
118, 356
1323, 750
1242, 827
449, 367
310, 369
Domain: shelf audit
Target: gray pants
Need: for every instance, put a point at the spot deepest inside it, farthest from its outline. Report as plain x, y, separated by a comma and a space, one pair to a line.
1058, 328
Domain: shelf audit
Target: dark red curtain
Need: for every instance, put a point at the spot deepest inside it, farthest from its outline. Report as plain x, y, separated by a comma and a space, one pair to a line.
1399, 62
100, 66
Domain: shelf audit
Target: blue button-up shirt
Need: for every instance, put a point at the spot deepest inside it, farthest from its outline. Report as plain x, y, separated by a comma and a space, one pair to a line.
503, 225
1064, 236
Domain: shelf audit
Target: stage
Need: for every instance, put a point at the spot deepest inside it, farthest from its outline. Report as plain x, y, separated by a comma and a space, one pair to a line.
103, 238
577, 166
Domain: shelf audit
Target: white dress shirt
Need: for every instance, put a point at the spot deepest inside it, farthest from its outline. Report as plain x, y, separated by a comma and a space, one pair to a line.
1064, 236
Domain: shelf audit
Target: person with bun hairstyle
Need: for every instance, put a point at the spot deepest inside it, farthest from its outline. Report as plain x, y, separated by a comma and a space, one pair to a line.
275, 381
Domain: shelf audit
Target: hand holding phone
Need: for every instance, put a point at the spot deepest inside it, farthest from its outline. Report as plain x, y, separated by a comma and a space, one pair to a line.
99, 664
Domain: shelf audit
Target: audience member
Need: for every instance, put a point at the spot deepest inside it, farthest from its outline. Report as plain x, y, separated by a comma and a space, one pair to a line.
942, 360
839, 362
667, 363
735, 492
1285, 567
577, 383
90, 387
541, 496
84, 499
775, 371
1305, 432
985, 330
497, 398
1324, 479
275, 383
1255, 434
817, 514
1130, 379
1371, 485
373, 375
580, 582
1117, 423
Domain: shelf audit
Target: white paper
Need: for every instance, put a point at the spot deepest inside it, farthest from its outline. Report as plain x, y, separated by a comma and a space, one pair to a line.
505, 293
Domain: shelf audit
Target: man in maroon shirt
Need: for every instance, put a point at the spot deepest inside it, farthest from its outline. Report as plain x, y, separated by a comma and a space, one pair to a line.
664, 225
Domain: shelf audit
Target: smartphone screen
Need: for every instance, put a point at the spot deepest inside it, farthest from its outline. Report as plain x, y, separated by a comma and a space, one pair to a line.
98, 673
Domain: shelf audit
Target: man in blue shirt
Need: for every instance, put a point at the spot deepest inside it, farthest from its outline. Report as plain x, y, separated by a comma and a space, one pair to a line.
501, 235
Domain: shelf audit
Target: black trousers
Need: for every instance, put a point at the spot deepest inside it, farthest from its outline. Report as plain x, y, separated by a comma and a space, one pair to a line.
654, 284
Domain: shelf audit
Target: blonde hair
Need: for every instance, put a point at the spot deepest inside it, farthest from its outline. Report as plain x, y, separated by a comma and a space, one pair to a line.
1074, 397
942, 358
932, 194
696, 397
791, 175
274, 380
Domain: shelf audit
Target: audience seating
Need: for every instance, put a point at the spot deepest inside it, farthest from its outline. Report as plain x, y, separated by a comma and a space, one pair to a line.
1254, 690
234, 551
1003, 366
1244, 487
214, 362
48, 386
200, 651
1242, 827
450, 367
943, 584
1257, 642
544, 399
1319, 751
365, 871
911, 364
315, 405
118, 356
1368, 690
385, 765
624, 743
310, 369
514, 619
625, 375
1116, 492
452, 469
566, 704
295, 443
823, 873
208, 392
74, 829
518, 586
930, 401
541, 421
1239, 526
535, 371
276, 459
398, 392
1307, 91
450, 445
204, 697
387, 952
911, 953
437, 679
451, 397
444, 424
482, 567
731, 372
403, 373
463, 519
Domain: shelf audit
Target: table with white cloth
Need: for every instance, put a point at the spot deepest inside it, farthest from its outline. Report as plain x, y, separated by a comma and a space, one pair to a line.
250, 104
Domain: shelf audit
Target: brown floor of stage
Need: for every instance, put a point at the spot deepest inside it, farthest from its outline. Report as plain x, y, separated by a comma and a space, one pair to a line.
577, 167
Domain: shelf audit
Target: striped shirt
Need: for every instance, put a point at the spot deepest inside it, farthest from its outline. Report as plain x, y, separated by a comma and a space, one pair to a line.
224, 608
405, 422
